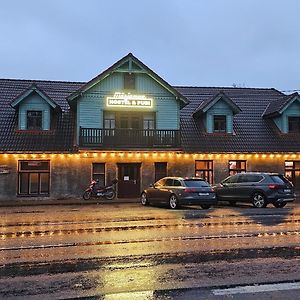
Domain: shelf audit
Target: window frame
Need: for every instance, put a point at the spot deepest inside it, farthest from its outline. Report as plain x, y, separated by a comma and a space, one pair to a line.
219, 123
94, 174
295, 120
29, 172
34, 120
159, 174
129, 81
237, 170
208, 172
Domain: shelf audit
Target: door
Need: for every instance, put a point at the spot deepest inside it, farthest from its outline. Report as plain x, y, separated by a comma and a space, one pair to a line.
129, 180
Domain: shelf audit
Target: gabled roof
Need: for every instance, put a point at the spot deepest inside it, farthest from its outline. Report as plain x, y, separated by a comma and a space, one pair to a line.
59, 140
129, 57
277, 107
252, 133
30, 90
206, 105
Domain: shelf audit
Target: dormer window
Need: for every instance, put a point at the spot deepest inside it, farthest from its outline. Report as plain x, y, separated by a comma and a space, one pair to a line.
219, 123
129, 81
294, 124
34, 120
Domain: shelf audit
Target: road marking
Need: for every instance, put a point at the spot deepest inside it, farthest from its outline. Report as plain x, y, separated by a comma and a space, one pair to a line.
258, 288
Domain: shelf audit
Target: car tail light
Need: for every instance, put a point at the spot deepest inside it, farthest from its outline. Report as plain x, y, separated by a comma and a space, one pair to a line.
190, 190
274, 186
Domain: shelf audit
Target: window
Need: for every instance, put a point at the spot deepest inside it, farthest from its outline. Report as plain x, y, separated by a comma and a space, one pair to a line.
294, 124
129, 81
34, 120
169, 182
109, 123
292, 172
204, 169
99, 173
33, 178
250, 178
160, 170
149, 122
232, 179
236, 166
219, 123
195, 183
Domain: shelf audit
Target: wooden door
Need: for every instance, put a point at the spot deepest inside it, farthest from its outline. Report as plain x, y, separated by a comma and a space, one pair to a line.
129, 180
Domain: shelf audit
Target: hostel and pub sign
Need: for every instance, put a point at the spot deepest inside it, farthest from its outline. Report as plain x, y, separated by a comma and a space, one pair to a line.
129, 100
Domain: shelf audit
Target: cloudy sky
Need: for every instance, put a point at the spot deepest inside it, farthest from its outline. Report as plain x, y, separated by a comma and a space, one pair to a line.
251, 43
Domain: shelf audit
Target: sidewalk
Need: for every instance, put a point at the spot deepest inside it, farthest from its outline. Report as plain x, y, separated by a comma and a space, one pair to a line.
71, 201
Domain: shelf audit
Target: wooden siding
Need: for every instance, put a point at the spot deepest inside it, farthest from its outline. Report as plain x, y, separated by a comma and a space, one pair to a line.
220, 108
292, 111
34, 102
91, 105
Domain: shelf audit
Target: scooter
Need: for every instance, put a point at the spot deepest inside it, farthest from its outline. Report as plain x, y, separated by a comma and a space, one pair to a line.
108, 192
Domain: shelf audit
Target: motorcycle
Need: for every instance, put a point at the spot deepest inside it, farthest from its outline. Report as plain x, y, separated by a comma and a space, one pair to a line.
108, 192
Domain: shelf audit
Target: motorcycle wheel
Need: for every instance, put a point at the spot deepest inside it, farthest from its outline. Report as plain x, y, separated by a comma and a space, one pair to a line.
86, 195
110, 195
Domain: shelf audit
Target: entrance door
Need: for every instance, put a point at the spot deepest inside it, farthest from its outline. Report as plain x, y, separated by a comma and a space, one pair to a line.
129, 180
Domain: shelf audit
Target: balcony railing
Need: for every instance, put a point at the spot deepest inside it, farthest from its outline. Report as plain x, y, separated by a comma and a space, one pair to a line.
128, 138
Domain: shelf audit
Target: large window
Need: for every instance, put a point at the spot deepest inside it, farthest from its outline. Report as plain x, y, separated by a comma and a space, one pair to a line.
294, 124
99, 173
219, 123
292, 172
34, 178
34, 120
204, 169
236, 166
160, 170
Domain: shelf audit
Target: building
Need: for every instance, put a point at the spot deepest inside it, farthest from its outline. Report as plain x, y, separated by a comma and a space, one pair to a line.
129, 123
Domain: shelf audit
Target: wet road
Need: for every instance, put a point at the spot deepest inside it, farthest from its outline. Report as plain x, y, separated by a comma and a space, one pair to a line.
126, 251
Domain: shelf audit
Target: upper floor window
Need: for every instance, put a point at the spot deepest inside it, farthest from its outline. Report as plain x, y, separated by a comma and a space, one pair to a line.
129, 81
236, 166
219, 123
34, 120
294, 124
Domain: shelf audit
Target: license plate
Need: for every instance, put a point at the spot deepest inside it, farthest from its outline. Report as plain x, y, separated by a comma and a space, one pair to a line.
287, 191
203, 194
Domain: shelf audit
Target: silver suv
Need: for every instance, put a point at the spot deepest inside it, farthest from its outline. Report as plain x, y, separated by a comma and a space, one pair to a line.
257, 188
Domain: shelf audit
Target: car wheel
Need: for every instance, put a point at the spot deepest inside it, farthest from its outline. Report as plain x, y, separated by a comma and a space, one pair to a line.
279, 205
173, 202
205, 206
144, 199
259, 200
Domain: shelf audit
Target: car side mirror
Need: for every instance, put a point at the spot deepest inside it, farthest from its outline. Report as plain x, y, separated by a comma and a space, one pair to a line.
152, 185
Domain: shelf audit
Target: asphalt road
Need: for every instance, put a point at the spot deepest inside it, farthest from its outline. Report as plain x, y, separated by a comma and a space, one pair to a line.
126, 251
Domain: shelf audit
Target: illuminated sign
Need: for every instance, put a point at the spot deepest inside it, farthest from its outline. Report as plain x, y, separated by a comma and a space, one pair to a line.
129, 100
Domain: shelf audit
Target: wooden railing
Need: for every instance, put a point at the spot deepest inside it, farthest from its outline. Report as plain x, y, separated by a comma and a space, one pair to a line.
128, 138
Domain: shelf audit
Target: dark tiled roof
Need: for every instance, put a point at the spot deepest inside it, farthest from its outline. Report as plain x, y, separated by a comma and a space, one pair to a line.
252, 133
276, 106
60, 139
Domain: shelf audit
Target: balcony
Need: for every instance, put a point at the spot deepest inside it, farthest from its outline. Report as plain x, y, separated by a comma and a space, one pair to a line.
128, 138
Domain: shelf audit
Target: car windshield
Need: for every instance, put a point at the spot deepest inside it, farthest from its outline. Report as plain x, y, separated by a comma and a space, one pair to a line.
195, 183
280, 179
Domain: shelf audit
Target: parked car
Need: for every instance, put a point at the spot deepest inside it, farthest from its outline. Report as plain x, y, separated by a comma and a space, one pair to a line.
256, 188
176, 191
